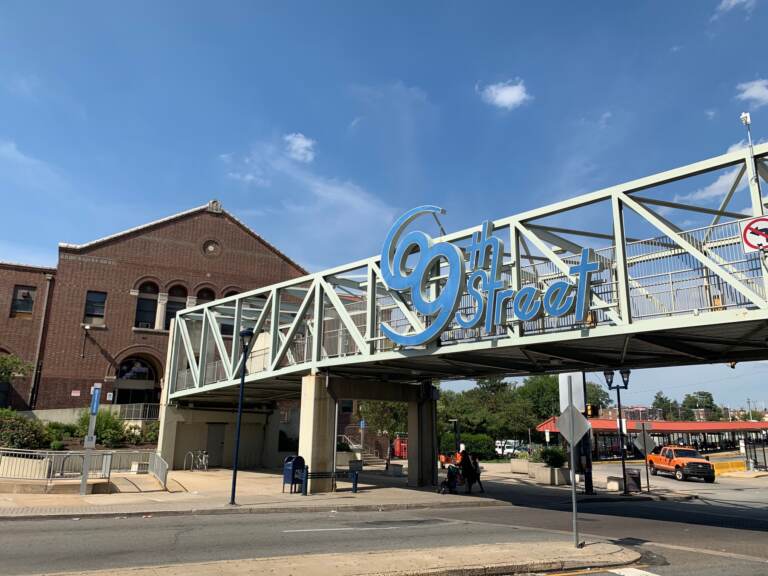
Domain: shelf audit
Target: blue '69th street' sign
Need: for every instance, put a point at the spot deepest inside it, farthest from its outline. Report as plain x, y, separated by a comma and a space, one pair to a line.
481, 281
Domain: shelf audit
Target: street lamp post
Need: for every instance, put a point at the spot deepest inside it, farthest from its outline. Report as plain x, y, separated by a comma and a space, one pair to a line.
246, 335
618, 387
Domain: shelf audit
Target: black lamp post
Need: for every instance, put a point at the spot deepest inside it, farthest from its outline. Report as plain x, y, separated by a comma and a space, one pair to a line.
618, 387
246, 335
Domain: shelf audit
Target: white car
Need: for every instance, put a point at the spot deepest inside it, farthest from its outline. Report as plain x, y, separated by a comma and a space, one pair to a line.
508, 447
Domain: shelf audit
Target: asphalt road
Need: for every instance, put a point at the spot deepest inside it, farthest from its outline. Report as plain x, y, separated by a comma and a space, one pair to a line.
678, 538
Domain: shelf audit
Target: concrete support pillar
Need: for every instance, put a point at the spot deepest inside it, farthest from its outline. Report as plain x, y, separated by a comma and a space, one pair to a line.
162, 302
317, 436
422, 438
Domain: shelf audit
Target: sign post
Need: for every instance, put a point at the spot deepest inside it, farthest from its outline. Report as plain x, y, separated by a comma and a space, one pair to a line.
90, 439
573, 426
645, 457
362, 435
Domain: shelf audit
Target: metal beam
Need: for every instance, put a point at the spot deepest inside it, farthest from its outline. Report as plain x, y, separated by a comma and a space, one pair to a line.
664, 227
689, 207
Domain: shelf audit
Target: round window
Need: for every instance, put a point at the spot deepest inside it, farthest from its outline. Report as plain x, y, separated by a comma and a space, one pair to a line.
211, 248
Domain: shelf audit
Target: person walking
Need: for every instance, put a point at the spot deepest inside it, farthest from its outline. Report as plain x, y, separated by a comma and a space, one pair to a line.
476, 468
467, 471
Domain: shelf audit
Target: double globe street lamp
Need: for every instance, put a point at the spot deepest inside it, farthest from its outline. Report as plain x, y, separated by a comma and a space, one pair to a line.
625, 372
246, 336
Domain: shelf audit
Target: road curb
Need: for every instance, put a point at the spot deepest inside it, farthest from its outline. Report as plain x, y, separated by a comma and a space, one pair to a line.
623, 557
254, 510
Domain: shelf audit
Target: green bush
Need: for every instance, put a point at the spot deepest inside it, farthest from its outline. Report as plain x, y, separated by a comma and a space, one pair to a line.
553, 457
59, 431
482, 445
16, 431
151, 432
57, 445
110, 430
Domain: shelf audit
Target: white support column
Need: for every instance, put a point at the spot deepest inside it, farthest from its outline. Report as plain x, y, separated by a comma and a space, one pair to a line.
162, 302
620, 260
317, 436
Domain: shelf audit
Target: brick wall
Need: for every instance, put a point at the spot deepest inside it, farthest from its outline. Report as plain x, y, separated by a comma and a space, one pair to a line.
19, 333
169, 253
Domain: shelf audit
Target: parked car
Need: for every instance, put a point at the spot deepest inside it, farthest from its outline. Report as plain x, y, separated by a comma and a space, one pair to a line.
510, 447
682, 462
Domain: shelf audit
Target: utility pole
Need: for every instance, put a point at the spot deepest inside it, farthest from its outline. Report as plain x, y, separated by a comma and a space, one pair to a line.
749, 408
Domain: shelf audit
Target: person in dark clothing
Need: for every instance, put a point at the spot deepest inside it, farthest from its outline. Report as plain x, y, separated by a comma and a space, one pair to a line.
467, 471
476, 468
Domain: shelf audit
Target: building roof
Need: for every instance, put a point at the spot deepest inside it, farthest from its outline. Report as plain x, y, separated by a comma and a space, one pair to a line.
662, 426
27, 267
213, 206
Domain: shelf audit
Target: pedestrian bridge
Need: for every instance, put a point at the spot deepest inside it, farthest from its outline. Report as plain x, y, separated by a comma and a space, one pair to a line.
652, 272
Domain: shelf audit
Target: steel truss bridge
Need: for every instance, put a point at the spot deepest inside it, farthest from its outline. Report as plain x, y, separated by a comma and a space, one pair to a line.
675, 287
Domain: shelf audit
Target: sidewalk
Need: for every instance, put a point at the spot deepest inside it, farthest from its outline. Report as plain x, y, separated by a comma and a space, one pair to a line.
209, 492
479, 560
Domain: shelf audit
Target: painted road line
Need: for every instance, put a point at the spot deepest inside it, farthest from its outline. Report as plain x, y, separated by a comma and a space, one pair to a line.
631, 572
356, 529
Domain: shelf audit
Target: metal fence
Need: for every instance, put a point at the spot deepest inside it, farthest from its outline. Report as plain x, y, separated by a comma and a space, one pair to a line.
139, 411
51, 466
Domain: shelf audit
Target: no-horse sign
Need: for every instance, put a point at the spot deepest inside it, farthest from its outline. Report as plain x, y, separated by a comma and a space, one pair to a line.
754, 234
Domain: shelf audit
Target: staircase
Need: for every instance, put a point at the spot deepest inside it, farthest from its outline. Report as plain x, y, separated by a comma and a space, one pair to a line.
374, 451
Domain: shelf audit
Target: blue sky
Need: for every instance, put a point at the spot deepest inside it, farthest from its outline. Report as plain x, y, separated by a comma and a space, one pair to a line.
317, 123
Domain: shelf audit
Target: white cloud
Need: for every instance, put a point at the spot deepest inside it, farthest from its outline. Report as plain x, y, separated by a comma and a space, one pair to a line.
710, 114
249, 179
605, 117
715, 190
755, 92
348, 220
728, 5
299, 147
507, 95
25, 172
24, 86
737, 146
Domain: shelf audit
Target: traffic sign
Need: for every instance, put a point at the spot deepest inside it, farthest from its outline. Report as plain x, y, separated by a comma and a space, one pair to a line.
95, 398
644, 444
572, 419
754, 234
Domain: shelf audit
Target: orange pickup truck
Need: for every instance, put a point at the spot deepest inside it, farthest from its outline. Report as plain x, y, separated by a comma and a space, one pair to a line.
682, 461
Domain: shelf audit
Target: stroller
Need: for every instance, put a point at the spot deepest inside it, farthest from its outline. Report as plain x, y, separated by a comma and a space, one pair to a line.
454, 479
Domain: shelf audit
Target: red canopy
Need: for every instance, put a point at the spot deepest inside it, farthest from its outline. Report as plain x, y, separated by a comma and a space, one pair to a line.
663, 426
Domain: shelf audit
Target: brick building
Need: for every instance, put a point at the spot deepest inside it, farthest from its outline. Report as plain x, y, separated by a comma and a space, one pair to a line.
102, 315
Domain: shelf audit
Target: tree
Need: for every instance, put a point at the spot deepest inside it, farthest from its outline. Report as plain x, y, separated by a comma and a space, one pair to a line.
543, 394
11, 365
598, 396
670, 409
701, 399
390, 417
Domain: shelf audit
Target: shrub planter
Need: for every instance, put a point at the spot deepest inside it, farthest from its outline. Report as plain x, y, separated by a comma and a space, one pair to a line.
518, 466
553, 476
343, 458
533, 467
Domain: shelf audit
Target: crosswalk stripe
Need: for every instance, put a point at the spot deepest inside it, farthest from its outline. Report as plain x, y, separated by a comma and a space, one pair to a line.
631, 572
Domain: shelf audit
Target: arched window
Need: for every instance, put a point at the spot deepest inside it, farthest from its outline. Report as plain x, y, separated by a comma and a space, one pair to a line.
146, 305
136, 382
205, 295
177, 300
231, 293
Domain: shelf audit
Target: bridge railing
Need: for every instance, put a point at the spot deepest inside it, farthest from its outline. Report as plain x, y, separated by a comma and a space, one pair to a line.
335, 316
